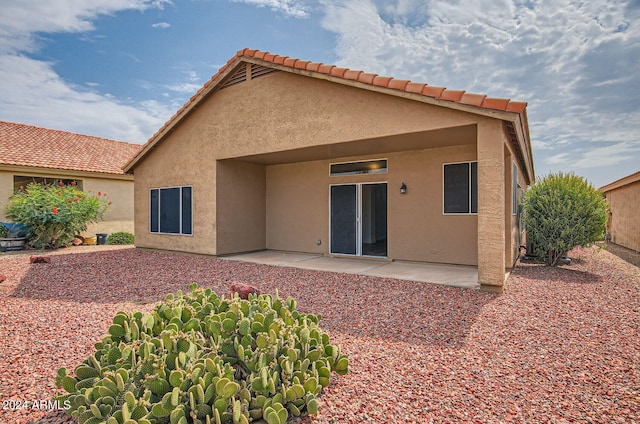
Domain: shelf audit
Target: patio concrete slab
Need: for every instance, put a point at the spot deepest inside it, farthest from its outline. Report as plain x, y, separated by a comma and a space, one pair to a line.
273, 257
451, 275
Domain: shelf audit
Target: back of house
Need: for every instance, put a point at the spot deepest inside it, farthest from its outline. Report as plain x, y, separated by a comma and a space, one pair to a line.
285, 154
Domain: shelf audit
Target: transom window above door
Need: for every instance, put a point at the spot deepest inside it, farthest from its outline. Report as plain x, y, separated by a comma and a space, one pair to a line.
377, 166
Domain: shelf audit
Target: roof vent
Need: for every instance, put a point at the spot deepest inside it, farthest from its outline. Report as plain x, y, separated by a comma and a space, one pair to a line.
242, 73
239, 76
260, 71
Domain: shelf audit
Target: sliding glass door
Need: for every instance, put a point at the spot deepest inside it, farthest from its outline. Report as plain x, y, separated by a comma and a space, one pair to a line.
359, 219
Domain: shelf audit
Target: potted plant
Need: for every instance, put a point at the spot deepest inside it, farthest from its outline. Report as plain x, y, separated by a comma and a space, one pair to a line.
11, 237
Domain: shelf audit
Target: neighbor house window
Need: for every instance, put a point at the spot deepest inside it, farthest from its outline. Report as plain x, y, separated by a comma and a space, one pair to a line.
364, 167
460, 189
20, 182
171, 210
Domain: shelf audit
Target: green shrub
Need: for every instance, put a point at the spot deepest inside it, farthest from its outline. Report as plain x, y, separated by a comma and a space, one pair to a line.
120, 238
55, 214
563, 211
4, 232
200, 358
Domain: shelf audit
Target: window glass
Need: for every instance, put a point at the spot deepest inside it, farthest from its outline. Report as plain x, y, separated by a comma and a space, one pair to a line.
366, 167
20, 182
461, 187
154, 211
186, 210
456, 188
474, 187
170, 210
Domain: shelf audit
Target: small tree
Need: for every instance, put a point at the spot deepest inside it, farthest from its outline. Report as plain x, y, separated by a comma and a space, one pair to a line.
55, 214
563, 211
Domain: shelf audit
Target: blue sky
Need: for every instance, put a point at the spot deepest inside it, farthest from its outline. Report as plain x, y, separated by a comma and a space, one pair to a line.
120, 68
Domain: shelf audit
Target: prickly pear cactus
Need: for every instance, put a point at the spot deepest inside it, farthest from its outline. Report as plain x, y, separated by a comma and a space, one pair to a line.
200, 358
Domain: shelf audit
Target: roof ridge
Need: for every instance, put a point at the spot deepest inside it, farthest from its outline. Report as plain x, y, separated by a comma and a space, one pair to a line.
442, 93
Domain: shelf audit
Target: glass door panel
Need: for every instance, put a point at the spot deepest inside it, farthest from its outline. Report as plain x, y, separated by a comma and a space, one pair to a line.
344, 214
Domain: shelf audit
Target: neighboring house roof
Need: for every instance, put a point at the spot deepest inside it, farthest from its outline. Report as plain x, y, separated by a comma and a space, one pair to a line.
510, 111
28, 145
621, 182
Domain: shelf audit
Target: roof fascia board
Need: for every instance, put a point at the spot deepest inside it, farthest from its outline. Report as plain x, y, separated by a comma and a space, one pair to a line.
183, 112
525, 148
629, 179
57, 173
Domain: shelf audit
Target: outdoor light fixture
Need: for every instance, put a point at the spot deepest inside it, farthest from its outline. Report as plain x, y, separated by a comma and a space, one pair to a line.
403, 189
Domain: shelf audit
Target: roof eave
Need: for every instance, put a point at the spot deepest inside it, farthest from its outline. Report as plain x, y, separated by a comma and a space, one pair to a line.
53, 172
629, 179
184, 111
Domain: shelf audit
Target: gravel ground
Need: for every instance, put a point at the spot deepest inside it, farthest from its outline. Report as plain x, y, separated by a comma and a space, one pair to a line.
560, 345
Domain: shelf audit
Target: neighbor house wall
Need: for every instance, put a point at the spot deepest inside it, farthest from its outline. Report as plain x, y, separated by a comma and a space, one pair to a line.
298, 206
119, 191
624, 222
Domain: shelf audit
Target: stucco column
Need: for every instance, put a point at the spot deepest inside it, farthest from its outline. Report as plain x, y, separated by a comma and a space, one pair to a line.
491, 206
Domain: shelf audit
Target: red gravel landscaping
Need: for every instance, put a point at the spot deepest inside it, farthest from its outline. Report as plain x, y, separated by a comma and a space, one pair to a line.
560, 345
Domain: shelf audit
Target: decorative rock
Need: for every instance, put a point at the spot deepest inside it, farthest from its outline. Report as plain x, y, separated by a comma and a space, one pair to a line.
2, 278
39, 259
243, 290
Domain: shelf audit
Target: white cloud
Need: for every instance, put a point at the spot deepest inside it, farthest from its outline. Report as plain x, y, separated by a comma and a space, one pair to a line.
33, 93
161, 25
295, 8
576, 63
26, 85
20, 20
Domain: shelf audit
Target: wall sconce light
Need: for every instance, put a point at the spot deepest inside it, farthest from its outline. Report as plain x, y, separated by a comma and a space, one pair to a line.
403, 189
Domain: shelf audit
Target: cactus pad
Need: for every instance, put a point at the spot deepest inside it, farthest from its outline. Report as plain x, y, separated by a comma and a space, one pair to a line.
203, 358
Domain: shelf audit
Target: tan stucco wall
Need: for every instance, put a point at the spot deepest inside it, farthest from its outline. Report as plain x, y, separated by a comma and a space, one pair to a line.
241, 216
491, 204
512, 238
180, 161
298, 206
284, 111
119, 215
624, 222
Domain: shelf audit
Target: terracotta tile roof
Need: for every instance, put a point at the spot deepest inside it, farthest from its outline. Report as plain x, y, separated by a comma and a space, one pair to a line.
439, 93
27, 145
